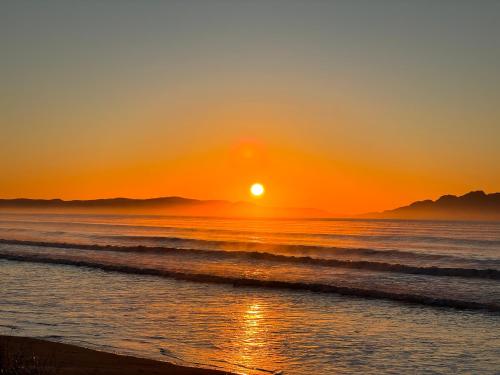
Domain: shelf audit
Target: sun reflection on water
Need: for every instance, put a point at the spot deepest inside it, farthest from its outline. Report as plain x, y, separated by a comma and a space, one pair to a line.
252, 339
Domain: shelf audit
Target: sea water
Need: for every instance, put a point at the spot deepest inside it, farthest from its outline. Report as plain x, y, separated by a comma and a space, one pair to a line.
257, 296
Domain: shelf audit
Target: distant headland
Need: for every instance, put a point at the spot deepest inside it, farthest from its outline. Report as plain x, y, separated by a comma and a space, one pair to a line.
162, 205
476, 205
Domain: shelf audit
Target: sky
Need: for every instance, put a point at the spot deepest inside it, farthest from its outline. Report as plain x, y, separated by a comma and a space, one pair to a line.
349, 106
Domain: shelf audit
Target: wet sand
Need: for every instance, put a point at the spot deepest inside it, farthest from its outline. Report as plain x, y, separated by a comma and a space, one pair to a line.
63, 359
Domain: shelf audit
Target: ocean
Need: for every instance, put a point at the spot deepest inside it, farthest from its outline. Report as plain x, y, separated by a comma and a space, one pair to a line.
258, 296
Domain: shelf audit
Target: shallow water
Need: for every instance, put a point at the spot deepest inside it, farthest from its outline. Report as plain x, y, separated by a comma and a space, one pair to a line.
275, 320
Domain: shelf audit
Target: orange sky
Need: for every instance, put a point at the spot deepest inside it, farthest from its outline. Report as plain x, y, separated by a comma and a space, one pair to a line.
329, 105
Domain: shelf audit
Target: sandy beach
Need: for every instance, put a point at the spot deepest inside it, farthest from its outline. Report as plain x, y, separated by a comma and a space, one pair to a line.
45, 357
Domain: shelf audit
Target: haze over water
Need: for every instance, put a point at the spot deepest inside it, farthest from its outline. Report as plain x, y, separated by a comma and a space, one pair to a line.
256, 296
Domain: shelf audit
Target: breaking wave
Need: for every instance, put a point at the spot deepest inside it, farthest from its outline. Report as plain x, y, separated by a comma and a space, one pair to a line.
258, 283
265, 256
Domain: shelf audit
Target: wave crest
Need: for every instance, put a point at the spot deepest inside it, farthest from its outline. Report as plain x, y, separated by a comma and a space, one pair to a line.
272, 284
353, 264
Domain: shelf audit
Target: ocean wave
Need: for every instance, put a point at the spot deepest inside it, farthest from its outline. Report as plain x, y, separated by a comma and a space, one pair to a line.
392, 237
259, 283
274, 247
256, 255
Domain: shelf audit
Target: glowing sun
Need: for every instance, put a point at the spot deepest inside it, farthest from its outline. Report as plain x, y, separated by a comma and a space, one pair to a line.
257, 189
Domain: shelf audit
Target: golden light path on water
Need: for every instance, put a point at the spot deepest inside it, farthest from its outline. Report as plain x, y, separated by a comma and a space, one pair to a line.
253, 335
251, 341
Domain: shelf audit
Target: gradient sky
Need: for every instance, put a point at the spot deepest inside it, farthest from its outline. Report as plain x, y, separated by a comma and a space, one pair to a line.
351, 106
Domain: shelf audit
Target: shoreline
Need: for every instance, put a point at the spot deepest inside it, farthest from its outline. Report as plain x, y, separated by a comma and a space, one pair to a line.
49, 357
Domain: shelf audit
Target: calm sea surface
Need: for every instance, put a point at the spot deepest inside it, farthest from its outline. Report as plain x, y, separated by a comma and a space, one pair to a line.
259, 296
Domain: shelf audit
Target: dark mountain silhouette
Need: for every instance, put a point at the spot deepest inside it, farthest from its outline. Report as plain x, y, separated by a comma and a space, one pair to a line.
163, 205
476, 205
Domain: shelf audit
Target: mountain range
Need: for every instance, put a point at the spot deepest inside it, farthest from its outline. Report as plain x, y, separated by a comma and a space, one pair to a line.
476, 205
162, 205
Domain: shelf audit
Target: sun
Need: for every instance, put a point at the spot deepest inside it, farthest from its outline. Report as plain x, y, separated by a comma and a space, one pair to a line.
257, 189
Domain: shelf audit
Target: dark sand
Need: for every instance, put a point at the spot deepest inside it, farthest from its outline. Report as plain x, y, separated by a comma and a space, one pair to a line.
64, 359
